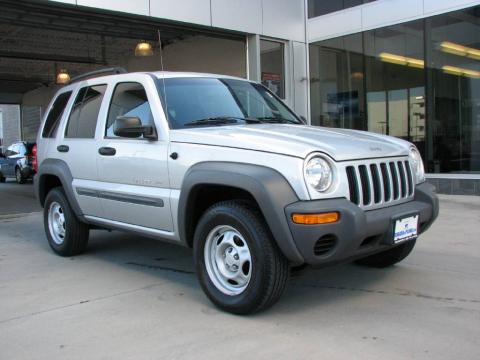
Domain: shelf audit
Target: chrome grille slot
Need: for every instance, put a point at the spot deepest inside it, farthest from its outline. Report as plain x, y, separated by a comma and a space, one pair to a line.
379, 183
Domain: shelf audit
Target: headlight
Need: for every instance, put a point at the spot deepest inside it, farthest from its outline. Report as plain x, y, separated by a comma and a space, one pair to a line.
417, 165
318, 174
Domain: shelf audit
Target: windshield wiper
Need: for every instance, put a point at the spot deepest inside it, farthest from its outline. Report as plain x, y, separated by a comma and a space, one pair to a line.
273, 119
221, 120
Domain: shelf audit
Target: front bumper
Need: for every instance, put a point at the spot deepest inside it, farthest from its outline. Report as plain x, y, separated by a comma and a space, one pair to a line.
358, 233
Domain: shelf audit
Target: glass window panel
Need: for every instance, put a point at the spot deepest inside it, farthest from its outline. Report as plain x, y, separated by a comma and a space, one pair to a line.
454, 60
55, 114
129, 99
394, 61
84, 115
273, 66
377, 111
337, 83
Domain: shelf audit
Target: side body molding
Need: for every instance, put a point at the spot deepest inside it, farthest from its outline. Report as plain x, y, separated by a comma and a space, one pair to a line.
269, 188
60, 169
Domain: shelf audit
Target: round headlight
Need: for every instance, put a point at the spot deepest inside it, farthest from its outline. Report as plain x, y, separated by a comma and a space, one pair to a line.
319, 174
417, 165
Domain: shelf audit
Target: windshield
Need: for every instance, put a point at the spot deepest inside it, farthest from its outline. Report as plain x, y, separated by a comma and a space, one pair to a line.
212, 102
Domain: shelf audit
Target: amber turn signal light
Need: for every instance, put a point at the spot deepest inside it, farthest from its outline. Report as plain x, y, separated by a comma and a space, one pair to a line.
316, 219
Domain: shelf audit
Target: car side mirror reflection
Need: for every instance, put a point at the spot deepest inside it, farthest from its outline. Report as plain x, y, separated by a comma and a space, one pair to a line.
131, 127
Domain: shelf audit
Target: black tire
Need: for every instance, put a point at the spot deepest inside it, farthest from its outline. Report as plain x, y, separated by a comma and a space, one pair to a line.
2, 178
269, 269
75, 239
19, 176
389, 257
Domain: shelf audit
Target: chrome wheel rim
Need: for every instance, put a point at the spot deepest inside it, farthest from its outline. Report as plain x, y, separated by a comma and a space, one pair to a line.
56, 223
228, 260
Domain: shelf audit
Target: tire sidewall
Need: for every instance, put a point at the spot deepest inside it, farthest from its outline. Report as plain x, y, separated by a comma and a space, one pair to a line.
224, 215
18, 176
57, 195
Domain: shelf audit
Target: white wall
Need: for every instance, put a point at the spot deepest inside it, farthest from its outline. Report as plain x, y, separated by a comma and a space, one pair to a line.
377, 14
284, 19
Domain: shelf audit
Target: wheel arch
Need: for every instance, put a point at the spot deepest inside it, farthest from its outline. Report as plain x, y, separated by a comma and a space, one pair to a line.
265, 186
54, 173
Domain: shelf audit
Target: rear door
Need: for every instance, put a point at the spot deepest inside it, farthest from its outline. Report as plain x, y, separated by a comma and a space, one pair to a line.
76, 144
133, 172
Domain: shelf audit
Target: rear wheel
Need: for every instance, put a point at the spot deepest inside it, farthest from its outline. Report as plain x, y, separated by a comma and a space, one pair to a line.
19, 177
2, 178
66, 235
389, 257
238, 263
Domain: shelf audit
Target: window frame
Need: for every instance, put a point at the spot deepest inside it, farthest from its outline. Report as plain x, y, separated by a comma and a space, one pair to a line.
112, 94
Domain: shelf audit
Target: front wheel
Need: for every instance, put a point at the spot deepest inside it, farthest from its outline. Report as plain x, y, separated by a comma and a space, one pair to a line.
239, 265
66, 235
389, 257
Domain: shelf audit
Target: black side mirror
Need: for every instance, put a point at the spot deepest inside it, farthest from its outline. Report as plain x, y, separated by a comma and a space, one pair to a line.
131, 127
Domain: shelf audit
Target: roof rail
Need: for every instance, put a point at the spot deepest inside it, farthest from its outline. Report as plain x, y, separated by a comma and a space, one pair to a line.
113, 70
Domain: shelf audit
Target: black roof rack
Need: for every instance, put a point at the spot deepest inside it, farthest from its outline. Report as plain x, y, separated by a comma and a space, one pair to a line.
113, 70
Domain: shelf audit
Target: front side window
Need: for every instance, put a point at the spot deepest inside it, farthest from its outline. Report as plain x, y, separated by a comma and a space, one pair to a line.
199, 101
83, 117
129, 99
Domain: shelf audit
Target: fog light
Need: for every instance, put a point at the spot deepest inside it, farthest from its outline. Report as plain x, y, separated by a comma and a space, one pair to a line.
316, 219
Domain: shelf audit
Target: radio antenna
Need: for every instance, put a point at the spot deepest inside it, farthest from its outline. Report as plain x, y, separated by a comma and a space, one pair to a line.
163, 73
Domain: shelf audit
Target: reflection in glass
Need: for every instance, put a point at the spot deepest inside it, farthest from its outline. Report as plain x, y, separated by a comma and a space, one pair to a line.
273, 67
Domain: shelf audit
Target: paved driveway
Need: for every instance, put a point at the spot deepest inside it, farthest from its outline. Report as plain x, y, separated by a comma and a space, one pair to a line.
134, 298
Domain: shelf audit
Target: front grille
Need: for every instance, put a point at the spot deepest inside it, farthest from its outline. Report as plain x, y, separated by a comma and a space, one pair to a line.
380, 183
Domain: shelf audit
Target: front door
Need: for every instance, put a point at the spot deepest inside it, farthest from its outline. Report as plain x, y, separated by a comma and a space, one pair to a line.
133, 172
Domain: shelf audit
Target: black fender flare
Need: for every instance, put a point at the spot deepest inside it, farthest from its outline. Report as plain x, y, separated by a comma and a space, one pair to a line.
267, 186
60, 169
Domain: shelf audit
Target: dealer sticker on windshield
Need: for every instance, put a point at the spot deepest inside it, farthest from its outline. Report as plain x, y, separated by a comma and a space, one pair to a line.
405, 229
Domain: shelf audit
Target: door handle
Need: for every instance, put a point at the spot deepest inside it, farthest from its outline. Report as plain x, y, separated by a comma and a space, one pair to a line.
107, 151
63, 148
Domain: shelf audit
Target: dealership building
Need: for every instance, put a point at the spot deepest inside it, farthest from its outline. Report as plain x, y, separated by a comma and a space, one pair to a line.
405, 68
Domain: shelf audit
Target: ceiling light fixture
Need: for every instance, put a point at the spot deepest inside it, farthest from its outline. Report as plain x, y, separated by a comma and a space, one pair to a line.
62, 77
454, 70
143, 48
401, 60
460, 50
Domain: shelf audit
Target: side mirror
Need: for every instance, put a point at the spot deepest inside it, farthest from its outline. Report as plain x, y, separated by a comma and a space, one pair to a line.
131, 127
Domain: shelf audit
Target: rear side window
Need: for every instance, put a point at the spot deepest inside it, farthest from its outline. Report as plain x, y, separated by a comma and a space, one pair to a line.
83, 117
129, 99
55, 114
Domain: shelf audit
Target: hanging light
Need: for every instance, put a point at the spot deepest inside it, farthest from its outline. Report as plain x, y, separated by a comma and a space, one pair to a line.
143, 48
63, 77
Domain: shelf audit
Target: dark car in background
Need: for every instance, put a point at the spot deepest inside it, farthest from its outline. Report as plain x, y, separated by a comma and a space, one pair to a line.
19, 161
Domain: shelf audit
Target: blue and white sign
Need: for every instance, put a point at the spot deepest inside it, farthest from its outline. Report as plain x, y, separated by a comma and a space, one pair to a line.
405, 229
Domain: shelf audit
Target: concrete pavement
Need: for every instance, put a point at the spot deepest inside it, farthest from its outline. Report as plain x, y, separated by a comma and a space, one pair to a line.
16, 198
134, 298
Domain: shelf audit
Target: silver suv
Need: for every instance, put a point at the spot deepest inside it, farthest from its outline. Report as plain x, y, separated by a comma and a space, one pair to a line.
223, 166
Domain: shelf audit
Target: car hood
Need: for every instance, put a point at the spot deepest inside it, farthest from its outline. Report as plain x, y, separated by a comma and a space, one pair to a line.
296, 140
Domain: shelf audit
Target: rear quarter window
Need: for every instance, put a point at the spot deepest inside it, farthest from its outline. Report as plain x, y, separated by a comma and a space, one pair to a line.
55, 115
